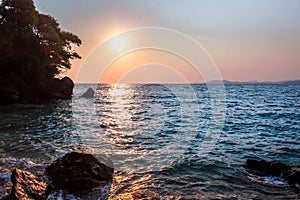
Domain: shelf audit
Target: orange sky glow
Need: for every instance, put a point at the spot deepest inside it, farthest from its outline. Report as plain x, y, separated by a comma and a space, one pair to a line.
246, 40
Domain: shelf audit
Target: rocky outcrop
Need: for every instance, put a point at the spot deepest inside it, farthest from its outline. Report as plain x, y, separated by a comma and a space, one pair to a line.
75, 173
277, 169
44, 91
78, 171
90, 93
9, 94
28, 186
57, 89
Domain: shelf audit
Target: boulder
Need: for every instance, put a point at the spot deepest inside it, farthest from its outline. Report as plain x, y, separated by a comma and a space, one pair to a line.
268, 168
67, 86
78, 172
60, 88
56, 89
264, 168
28, 186
293, 176
90, 93
44, 91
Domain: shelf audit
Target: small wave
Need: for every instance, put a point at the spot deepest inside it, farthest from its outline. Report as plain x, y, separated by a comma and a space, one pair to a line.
98, 193
265, 180
269, 180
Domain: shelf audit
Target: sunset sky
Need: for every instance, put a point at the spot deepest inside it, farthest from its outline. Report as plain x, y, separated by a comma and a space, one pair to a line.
245, 39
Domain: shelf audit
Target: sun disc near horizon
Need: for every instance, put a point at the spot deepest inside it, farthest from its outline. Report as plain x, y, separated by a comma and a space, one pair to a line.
119, 43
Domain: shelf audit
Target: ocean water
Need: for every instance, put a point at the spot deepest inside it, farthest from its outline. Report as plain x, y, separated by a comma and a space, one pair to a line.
164, 141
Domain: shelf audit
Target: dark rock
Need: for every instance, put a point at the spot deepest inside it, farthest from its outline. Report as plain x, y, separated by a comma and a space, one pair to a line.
47, 90
89, 93
28, 186
9, 94
60, 88
279, 169
55, 89
294, 176
259, 166
262, 167
8, 197
44, 91
78, 172
67, 86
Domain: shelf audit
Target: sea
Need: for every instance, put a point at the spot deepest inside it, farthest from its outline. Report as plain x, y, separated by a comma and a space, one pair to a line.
165, 141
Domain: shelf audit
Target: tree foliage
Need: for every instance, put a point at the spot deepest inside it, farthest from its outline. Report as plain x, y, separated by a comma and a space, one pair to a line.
33, 48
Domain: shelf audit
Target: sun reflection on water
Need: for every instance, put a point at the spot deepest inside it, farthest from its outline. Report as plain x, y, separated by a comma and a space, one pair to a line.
129, 118
139, 126
118, 115
138, 188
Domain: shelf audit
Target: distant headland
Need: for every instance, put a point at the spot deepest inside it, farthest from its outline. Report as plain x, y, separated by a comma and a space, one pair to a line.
225, 82
253, 82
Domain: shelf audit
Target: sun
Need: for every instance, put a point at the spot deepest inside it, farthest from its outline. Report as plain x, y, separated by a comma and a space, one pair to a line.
119, 43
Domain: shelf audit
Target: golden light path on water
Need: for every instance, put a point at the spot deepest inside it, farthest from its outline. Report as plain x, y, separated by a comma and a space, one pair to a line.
120, 127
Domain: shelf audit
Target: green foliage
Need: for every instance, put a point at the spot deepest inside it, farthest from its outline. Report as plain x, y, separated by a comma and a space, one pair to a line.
33, 48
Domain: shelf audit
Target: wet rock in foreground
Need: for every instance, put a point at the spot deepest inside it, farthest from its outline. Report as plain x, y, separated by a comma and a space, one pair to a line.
74, 176
78, 172
28, 186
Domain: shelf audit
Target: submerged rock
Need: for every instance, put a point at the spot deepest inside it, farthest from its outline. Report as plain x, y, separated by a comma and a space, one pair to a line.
28, 186
276, 169
268, 168
90, 93
78, 171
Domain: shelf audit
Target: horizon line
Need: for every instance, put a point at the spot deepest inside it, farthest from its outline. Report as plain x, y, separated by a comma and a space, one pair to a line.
297, 81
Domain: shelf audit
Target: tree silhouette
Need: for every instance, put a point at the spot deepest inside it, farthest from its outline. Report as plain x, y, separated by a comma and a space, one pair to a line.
33, 48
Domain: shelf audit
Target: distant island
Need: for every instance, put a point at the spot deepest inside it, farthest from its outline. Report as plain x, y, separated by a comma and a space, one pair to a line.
226, 82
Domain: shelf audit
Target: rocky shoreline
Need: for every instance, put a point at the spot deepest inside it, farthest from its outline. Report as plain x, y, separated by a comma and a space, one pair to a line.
80, 174
45, 91
75, 173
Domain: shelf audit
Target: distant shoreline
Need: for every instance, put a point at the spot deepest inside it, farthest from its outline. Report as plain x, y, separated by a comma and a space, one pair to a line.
214, 82
288, 82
